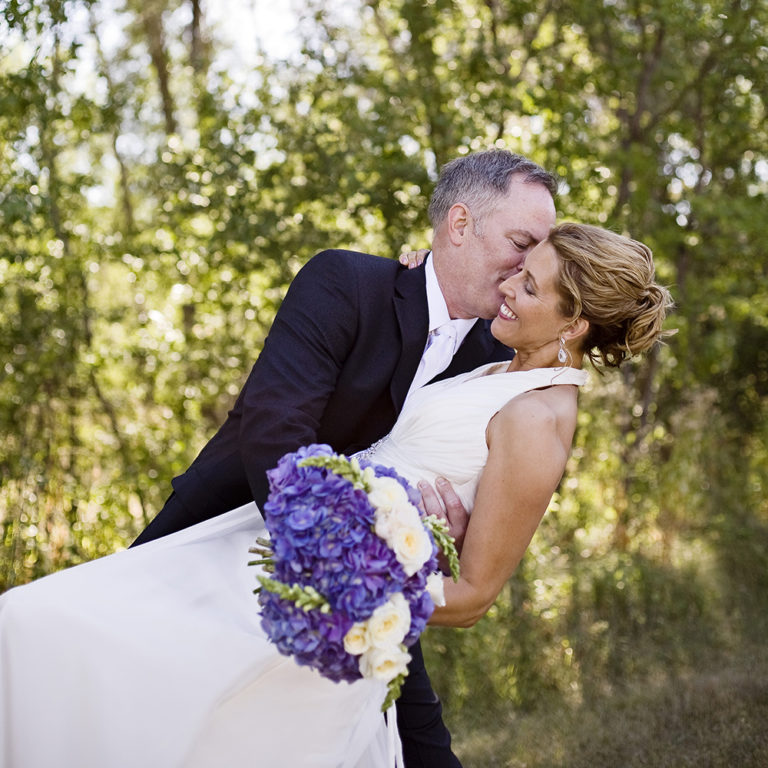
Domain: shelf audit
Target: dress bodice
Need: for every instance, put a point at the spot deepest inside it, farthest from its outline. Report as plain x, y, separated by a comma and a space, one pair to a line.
441, 429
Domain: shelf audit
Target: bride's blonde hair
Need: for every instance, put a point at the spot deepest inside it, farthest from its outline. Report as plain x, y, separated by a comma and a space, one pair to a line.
610, 280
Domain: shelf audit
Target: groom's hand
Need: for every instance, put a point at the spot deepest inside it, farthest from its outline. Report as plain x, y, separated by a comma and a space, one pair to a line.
447, 506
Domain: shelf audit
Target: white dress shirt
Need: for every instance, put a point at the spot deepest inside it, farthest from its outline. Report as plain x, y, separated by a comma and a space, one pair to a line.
445, 335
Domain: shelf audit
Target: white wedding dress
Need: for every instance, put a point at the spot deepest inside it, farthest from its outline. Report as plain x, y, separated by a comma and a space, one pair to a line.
154, 657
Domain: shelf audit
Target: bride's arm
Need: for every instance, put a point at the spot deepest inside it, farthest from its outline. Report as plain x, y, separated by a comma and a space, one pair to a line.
526, 460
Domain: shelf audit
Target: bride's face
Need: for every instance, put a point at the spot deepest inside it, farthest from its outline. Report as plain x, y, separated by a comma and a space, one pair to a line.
529, 319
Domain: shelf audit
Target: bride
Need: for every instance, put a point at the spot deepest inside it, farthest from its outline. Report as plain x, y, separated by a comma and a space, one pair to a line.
155, 656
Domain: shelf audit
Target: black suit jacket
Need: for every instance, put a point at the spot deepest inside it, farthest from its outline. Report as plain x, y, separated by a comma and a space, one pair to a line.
335, 368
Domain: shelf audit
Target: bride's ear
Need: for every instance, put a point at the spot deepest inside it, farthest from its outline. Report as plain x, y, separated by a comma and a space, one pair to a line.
577, 330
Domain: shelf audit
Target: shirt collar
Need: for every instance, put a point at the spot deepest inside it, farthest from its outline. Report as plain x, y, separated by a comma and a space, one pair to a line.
438, 309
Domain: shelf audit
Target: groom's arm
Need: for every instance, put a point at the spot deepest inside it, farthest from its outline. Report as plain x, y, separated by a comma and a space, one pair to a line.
297, 371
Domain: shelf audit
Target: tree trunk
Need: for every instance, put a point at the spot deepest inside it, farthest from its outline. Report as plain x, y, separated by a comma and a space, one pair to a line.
152, 20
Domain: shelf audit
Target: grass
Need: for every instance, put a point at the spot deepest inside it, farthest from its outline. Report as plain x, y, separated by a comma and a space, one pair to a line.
707, 718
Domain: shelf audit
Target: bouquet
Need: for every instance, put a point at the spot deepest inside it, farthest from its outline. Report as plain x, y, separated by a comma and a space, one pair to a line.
351, 566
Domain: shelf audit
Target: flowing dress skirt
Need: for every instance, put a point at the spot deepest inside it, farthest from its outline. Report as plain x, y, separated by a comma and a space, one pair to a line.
154, 658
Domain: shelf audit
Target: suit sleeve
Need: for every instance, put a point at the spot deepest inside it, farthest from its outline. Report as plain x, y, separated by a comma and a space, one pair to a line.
296, 372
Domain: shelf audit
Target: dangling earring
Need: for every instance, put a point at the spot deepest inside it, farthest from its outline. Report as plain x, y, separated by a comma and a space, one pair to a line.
562, 354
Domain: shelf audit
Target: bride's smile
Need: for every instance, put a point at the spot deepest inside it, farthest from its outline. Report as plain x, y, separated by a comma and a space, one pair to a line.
530, 320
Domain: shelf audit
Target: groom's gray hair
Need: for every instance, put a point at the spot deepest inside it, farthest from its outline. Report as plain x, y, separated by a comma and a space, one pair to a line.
479, 179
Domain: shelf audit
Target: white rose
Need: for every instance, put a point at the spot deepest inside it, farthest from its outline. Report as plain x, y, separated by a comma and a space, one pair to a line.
383, 524
386, 493
404, 513
435, 588
390, 622
412, 547
384, 663
356, 641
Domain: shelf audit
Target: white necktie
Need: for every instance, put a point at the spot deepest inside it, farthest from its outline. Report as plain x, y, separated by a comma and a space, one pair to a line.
441, 345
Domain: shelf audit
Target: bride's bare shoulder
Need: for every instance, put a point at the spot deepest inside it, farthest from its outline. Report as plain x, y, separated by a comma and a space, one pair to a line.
539, 414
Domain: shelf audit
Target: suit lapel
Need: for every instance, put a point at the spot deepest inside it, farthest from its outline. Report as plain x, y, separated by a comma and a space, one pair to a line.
410, 302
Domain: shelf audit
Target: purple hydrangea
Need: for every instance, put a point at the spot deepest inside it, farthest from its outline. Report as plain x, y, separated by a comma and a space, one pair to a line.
322, 532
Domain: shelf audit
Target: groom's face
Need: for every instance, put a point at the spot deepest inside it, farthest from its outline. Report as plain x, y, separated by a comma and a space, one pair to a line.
500, 241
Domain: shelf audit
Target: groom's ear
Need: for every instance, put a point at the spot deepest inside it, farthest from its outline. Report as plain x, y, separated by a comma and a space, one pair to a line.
459, 219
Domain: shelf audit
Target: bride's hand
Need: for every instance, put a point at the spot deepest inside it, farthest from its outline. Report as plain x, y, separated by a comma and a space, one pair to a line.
413, 259
450, 509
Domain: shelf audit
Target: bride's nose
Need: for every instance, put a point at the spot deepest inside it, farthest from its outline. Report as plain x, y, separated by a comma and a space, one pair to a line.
507, 287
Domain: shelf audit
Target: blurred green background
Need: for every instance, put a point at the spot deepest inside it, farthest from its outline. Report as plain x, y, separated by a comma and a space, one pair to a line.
163, 178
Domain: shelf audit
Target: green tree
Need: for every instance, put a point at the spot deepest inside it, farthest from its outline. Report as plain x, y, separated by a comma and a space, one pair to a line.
155, 204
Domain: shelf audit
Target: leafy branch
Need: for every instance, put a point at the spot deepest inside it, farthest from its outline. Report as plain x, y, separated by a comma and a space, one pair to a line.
349, 469
306, 598
445, 542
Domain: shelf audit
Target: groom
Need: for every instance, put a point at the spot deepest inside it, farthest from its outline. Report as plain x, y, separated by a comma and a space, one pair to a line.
354, 334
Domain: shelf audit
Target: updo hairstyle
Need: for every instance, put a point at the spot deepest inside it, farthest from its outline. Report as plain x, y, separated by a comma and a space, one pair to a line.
609, 280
